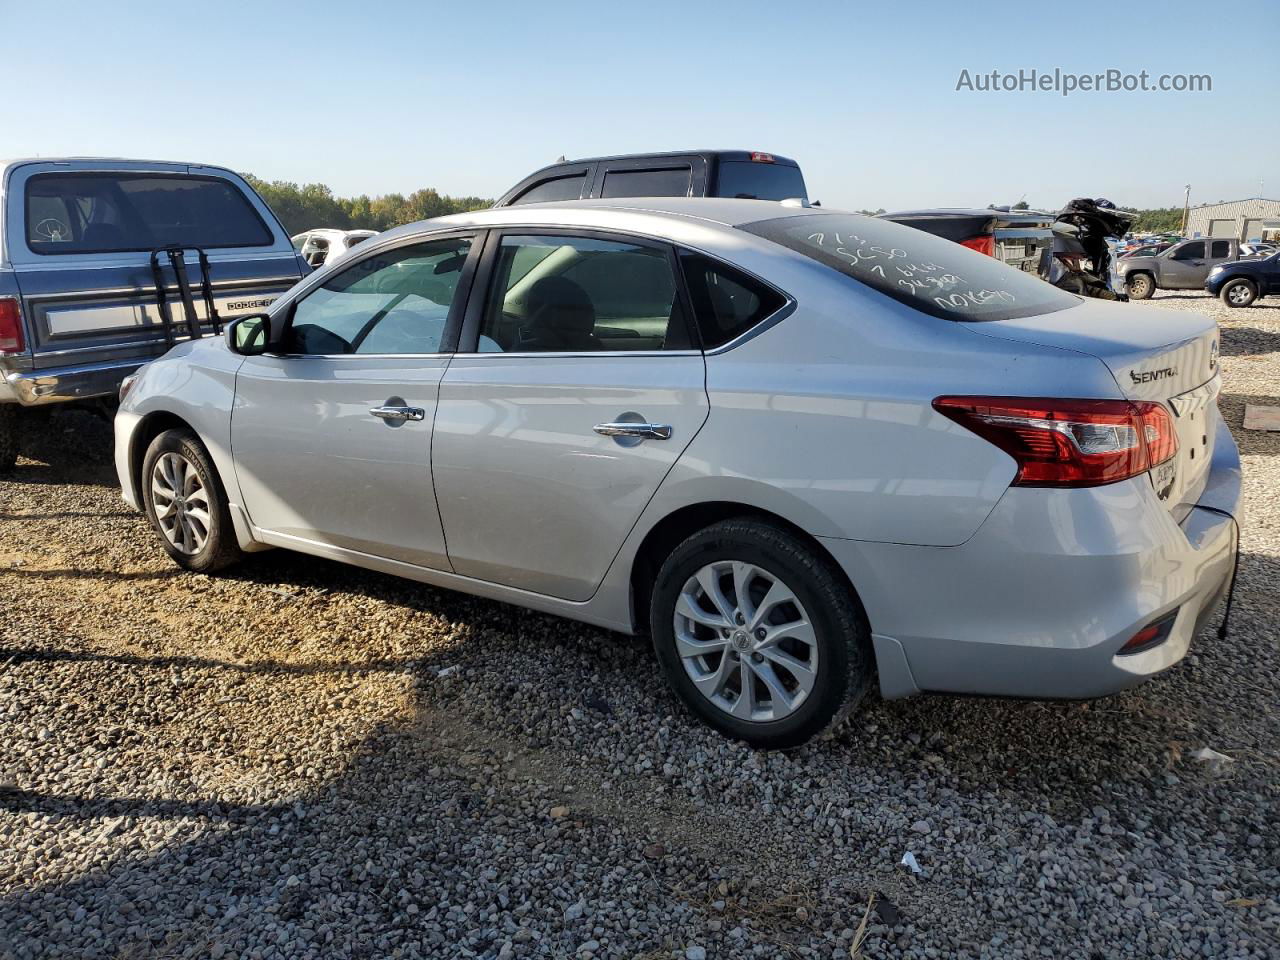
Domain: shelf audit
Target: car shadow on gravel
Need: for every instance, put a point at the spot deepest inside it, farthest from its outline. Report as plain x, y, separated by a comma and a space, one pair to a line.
1251, 442
1241, 341
70, 446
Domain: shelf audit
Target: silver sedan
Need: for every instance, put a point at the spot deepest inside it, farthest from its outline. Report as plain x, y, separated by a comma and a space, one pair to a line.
807, 452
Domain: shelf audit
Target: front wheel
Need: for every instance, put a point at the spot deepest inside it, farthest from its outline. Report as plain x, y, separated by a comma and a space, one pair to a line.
185, 503
759, 634
1141, 286
1239, 293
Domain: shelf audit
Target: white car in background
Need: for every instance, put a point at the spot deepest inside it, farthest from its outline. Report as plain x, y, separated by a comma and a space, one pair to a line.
320, 246
806, 451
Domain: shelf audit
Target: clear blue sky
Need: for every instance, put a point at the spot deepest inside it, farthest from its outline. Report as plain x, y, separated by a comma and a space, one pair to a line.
372, 97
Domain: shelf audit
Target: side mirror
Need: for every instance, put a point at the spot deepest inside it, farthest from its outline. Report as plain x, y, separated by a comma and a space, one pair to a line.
250, 335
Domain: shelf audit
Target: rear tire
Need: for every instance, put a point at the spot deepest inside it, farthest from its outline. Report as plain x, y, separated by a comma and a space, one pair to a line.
9, 430
1141, 286
186, 504
1239, 293
759, 634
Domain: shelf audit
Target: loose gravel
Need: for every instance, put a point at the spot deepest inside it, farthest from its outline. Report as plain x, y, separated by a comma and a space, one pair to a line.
299, 759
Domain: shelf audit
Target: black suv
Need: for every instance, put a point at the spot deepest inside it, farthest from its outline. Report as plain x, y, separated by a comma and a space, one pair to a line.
747, 174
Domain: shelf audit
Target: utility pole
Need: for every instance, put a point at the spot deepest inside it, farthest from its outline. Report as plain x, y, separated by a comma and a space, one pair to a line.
1186, 210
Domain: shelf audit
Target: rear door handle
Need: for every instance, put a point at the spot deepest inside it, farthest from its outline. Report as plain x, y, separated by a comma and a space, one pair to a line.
643, 431
399, 414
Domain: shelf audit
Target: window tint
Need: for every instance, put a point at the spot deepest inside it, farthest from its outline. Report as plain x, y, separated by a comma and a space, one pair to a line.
927, 273
393, 302
1192, 251
726, 302
1220, 248
751, 180
574, 294
672, 182
561, 188
107, 213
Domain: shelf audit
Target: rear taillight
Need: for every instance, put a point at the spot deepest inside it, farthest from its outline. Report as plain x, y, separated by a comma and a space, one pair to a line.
1069, 443
10, 326
983, 243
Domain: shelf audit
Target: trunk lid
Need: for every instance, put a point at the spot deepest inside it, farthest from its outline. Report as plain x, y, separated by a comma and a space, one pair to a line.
1163, 356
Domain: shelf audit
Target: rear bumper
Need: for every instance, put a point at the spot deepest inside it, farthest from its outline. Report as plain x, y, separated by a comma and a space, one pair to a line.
1041, 599
63, 384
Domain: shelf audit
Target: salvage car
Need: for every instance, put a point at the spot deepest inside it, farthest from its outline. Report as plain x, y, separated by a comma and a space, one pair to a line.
321, 245
803, 450
1240, 284
1020, 238
1183, 266
104, 264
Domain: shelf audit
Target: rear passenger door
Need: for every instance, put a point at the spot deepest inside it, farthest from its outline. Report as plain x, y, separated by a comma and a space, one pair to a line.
576, 387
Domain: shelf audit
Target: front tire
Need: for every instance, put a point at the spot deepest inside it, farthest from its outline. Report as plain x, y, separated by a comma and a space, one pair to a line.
1239, 293
1141, 286
759, 634
186, 504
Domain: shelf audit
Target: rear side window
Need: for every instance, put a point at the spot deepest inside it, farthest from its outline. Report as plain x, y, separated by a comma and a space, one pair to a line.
667, 182
112, 213
726, 301
561, 188
754, 180
1220, 248
929, 274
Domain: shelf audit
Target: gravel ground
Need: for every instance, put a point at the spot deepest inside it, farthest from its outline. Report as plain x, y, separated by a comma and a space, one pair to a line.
302, 759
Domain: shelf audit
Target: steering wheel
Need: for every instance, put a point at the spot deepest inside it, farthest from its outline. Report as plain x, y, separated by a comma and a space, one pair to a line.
52, 229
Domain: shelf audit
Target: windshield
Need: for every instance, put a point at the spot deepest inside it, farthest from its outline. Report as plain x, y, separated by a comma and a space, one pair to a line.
930, 274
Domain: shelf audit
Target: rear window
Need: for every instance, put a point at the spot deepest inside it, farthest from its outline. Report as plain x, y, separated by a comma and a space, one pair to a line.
927, 273
113, 213
668, 182
561, 188
752, 180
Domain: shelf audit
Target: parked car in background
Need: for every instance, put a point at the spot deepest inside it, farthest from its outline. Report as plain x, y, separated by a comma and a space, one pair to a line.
1257, 249
1020, 238
657, 416
745, 174
95, 254
1241, 283
320, 246
1183, 266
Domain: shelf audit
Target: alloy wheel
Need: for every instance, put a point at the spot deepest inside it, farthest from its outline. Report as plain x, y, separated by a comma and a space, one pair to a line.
181, 503
746, 641
1239, 294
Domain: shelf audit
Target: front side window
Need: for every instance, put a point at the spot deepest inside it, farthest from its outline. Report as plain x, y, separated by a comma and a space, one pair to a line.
671, 182
561, 188
1192, 251
394, 302
577, 294
927, 273
115, 213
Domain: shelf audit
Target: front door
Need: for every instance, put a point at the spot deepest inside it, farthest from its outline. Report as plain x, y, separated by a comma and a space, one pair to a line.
573, 394
1184, 267
332, 435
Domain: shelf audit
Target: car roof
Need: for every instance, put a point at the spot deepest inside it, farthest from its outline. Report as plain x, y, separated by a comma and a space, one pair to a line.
123, 163
720, 210
721, 154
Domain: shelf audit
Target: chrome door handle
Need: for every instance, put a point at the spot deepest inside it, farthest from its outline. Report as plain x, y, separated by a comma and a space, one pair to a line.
399, 414
644, 431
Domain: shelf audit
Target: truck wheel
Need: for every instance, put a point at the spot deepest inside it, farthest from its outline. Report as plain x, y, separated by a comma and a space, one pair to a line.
759, 634
185, 503
1239, 293
8, 436
1141, 286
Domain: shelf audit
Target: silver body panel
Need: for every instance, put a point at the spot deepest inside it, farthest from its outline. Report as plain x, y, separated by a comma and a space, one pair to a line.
821, 418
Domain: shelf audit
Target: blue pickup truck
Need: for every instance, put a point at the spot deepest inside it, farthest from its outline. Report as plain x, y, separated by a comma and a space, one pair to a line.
105, 264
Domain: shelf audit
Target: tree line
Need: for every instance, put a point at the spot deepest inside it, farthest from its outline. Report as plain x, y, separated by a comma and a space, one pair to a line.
309, 205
